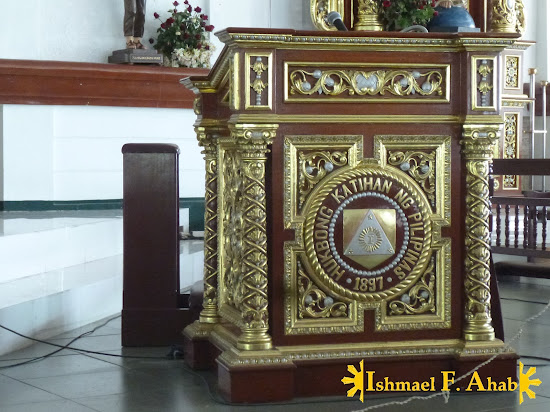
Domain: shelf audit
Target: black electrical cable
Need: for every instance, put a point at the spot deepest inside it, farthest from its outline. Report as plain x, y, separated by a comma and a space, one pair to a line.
41, 341
67, 346
525, 300
173, 355
535, 357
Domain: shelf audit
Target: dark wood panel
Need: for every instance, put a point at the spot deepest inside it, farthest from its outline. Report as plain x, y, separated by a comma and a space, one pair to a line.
70, 83
522, 167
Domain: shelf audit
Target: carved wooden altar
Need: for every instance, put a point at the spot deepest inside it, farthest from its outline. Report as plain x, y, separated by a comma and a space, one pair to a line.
347, 209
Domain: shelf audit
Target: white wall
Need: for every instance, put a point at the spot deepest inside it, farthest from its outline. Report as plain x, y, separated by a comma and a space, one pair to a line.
73, 152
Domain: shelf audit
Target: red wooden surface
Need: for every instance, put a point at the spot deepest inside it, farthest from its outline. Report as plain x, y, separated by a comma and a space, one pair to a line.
70, 83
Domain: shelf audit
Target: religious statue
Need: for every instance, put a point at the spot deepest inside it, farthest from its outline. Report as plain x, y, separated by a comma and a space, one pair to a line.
134, 21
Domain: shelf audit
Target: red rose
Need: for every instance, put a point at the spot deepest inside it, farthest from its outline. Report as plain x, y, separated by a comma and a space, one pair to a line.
209, 27
176, 3
185, 2
169, 21
198, 9
163, 26
386, 3
175, 10
207, 47
197, 36
204, 16
189, 9
156, 15
436, 13
199, 46
203, 24
185, 35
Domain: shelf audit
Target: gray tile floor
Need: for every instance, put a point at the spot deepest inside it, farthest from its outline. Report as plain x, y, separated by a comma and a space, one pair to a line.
76, 382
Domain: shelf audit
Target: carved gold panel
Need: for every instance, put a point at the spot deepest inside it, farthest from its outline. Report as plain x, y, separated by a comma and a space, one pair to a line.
313, 82
484, 83
258, 88
315, 304
510, 147
426, 159
512, 66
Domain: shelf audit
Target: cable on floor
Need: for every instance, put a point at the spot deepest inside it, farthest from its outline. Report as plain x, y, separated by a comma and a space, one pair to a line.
67, 346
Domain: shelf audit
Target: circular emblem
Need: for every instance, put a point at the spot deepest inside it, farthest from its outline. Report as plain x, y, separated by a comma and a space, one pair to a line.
367, 232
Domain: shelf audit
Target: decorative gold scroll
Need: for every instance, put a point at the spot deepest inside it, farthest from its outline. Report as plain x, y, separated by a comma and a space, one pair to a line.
477, 149
321, 83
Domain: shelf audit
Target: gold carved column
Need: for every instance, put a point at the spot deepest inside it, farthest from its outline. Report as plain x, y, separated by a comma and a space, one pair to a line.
250, 292
209, 313
477, 149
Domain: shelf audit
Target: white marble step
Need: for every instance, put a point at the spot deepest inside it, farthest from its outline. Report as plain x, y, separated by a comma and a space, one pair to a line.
60, 298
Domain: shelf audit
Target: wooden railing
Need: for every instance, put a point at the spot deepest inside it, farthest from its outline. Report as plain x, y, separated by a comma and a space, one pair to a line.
520, 224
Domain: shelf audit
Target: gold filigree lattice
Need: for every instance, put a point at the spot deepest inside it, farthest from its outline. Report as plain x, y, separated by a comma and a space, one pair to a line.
420, 166
232, 226
418, 299
314, 166
314, 303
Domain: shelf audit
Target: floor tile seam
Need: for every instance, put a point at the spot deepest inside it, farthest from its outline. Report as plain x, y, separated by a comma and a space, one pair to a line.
61, 353
523, 320
85, 406
38, 388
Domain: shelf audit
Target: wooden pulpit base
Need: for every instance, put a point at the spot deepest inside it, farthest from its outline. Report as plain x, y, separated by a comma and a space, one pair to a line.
253, 382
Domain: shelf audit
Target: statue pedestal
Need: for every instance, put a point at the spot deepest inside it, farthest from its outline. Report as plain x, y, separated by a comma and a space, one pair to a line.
347, 210
135, 56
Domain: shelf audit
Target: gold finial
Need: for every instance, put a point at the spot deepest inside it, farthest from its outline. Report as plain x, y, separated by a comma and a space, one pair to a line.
532, 70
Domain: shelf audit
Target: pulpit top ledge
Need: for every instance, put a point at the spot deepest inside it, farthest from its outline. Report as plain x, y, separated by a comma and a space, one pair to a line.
245, 37
259, 75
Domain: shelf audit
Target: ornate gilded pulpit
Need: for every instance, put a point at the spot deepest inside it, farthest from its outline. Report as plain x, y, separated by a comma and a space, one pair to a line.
347, 209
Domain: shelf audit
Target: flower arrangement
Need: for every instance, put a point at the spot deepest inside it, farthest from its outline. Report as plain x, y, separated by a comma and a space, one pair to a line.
399, 14
183, 37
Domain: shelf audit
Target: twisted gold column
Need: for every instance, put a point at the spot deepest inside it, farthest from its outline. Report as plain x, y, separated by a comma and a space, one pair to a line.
477, 149
209, 313
251, 298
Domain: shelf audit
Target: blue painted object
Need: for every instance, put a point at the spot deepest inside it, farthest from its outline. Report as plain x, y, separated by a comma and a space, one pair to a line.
454, 19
